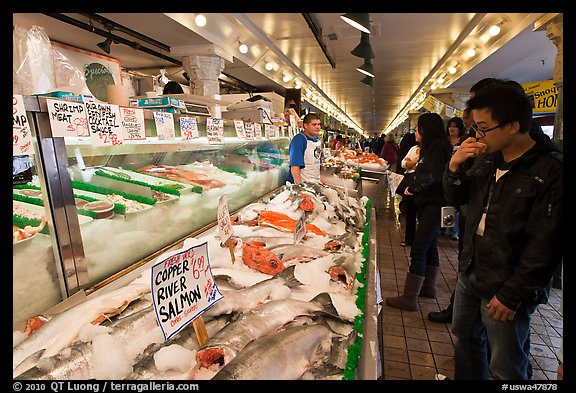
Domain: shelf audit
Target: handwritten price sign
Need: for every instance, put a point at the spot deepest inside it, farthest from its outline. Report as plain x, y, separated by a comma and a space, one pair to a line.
133, 123
182, 287
239, 126
164, 126
224, 224
249, 131
67, 118
258, 130
21, 136
105, 124
300, 230
215, 130
188, 128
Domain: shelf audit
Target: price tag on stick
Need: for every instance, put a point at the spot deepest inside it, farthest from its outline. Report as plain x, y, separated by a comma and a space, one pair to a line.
225, 226
300, 229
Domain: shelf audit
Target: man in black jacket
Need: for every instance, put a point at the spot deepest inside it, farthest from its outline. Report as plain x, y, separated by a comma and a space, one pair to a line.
513, 236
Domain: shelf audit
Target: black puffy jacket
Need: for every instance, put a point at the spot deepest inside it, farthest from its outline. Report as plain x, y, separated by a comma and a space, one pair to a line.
522, 241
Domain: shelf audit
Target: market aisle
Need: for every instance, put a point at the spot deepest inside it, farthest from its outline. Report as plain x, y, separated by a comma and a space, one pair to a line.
412, 347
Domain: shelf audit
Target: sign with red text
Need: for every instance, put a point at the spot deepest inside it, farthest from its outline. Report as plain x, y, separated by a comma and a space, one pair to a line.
21, 133
257, 131
182, 287
269, 131
224, 223
133, 123
67, 118
249, 130
300, 229
164, 122
239, 126
188, 128
215, 130
104, 124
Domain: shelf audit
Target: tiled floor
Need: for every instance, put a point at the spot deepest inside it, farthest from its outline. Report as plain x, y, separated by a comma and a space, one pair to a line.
414, 348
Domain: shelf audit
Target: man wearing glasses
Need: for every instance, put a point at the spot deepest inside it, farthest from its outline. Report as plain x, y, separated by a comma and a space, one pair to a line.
512, 242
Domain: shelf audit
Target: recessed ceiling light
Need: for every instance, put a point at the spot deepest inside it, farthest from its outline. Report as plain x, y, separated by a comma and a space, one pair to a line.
200, 20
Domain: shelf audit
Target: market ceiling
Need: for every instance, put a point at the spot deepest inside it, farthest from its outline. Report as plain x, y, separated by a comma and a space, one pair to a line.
412, 53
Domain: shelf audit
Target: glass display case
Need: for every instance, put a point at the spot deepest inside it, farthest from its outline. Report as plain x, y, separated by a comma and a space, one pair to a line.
109, 209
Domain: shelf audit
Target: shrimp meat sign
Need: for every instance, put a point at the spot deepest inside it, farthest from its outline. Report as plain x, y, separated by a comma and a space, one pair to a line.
183, 287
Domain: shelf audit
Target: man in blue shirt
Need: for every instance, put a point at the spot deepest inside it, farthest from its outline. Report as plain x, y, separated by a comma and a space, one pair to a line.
305, 152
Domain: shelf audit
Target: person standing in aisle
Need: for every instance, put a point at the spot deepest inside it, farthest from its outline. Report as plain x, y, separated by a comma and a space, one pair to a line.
406, 143
456, 133
512, 243
409, 163
305, 151
389, 152
426, 187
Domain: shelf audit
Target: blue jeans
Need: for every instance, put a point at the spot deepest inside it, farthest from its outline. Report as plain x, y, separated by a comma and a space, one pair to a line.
424, 249
474, 330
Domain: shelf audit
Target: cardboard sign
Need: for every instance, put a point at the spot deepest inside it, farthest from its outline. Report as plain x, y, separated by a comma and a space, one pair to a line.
67, 118
182, 287
239, 126
133, 123
393, 180
257, 131
104, 124
249, 131
543, 95
188, 128
21, 133
164, 126
300, 229
224, 223
215, 130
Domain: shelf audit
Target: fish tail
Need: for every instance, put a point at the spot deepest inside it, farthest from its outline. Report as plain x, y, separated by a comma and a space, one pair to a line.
289, 278
325, 301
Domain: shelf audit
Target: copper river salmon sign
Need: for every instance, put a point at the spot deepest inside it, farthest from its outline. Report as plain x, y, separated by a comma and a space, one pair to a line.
182, 287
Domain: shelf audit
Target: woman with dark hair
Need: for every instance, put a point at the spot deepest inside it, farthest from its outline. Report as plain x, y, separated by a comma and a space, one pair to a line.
456, 132
424, 270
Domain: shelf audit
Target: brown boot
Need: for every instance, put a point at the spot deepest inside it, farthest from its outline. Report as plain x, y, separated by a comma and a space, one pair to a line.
408, 300
429, 286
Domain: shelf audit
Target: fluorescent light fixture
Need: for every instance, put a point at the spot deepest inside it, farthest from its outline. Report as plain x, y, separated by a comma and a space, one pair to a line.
200, 20
358, 21
367, 68
243, 48
364, 49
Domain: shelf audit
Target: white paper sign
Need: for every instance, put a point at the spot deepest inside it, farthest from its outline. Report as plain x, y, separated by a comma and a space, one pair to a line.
293, 121
67, 118
164, 126
249, 130
224, 223
326, 152
215, 130
21, 133
393, 180
257, 131
133, 123
239, 126
104, 124
182, 287
188, 128
300, 229
269, 131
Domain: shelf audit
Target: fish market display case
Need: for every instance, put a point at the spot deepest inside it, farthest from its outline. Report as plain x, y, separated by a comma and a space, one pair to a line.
92, 212
98, 218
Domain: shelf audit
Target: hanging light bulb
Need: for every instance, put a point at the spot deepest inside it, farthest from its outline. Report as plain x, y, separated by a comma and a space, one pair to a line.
471, 52
243, 48
494, 30
364, 49
452, 70
200, 20
269, 66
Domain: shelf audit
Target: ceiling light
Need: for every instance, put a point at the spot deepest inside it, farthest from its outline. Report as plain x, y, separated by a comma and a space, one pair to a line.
243, 48
200, 20
367, 68
286, 77
494, 30
368, 80
471, 52
269, 66
105, 45
364, 49
359, 21
452, 70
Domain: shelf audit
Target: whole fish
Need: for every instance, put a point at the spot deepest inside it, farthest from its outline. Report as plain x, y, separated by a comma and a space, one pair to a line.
62, 330
261, 321
257, 257
287, 252
344, 269
146, 368
248, 298
239, 278
74, 362
282, 356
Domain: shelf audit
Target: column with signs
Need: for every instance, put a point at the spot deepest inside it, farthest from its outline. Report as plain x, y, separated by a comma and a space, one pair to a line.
188, 128
164, 126
21, 133
225, 229
67, 118
183, 288
215, 130
133, 123
104, 124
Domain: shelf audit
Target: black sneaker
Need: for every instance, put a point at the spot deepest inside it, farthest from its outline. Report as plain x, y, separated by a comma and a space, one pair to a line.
444, 316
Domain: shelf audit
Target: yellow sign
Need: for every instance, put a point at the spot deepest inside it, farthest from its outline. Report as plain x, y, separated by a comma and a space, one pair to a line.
543, 95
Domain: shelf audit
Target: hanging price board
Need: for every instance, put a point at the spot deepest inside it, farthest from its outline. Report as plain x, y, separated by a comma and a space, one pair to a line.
215, 130
104, 124
164, 126
21, 133
133, 123
188, 128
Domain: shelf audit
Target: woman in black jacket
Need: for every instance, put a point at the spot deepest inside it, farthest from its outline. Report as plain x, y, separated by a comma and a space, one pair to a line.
435, 152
